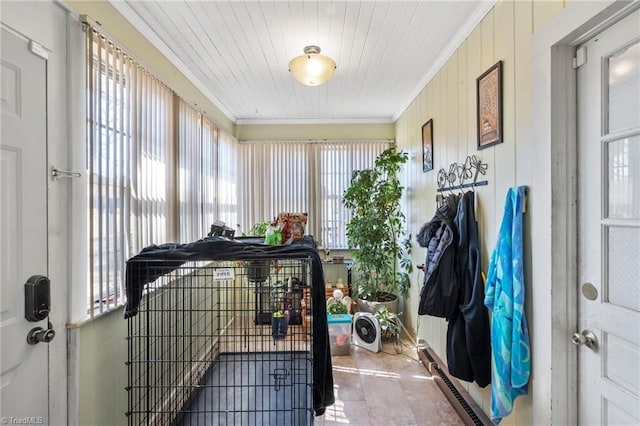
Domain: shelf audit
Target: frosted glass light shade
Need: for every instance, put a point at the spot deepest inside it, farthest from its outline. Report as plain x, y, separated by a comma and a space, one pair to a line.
312, 68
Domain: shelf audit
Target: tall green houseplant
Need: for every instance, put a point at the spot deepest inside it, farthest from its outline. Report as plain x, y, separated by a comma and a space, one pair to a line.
376, 231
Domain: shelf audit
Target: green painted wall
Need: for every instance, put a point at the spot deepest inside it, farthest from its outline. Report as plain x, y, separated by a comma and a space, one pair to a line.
272, 132
102, 370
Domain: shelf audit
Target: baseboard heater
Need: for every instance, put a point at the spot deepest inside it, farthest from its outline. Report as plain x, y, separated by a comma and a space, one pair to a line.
459, 398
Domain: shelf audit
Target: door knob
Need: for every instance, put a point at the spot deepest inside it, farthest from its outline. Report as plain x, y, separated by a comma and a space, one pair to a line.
39, 334
587, 338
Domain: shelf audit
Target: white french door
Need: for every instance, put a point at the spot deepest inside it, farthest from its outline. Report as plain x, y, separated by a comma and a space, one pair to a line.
608, 337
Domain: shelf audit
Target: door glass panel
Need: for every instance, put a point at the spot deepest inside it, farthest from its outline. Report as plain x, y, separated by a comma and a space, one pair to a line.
624, 268
623, 69
623, 184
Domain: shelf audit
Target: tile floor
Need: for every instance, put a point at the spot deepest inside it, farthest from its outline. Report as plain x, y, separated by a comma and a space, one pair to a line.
385, 388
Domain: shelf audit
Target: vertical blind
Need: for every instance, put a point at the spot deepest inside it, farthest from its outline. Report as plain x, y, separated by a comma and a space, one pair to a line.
197, 158
227, 180
206, 177
129, 126
190, 172
337, 162
158, 170
209, 156
275, 178
302, 177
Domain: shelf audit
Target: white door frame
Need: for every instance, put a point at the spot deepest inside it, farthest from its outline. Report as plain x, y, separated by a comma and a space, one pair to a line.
553, 203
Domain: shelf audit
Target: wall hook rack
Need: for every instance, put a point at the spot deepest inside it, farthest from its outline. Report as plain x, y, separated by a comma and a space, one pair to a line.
472, 167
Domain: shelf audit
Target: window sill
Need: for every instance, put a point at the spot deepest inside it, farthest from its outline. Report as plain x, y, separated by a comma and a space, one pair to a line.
86, 320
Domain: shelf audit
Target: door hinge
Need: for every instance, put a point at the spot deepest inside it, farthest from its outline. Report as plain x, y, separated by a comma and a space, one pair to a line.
581, 57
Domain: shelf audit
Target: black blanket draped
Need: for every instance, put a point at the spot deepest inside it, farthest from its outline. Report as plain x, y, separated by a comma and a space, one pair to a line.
165, 258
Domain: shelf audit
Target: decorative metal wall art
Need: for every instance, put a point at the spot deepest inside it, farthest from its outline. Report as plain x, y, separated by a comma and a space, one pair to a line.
464, 175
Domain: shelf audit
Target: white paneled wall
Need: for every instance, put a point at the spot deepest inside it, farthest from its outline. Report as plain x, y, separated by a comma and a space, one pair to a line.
450, 100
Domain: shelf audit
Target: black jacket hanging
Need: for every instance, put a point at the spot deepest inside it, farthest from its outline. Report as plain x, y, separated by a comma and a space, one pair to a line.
469, 332
440, 290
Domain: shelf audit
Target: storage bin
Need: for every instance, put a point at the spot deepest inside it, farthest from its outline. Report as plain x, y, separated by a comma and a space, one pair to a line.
339, 333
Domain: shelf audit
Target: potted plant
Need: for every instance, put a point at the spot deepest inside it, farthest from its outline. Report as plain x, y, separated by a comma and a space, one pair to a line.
390, 327
280, 315
279, 325
259, 229
390, 324
335, 306
376, 233
258, 270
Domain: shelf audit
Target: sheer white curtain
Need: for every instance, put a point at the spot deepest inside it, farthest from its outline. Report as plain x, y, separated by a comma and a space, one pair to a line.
299, 176
129, 129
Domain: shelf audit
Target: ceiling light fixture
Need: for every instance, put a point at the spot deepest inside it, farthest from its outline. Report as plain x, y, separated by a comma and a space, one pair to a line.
312, 68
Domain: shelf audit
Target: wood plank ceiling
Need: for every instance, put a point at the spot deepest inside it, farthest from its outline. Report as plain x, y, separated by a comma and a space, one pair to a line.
237, 52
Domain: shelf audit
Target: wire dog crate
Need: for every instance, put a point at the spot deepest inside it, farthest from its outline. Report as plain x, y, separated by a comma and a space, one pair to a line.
226, 342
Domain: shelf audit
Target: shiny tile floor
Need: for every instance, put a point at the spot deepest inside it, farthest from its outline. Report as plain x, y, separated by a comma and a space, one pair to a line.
385, 388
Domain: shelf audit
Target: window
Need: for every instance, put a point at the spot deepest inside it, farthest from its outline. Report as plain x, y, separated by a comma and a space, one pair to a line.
338, 161
128, 132
153, 174
227, 198
196, 159
206, 180
303, 177
159, 171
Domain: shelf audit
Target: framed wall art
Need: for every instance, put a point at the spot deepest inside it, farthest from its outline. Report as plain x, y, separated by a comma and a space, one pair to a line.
427, 146
489, 106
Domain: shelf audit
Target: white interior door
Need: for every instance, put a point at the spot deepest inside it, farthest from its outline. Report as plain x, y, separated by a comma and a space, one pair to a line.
23, 226
609, 226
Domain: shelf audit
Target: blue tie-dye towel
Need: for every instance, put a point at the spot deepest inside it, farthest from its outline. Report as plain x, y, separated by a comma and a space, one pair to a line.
510, 358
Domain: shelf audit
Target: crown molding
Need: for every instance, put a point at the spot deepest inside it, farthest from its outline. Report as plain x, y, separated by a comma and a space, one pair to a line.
278, 121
